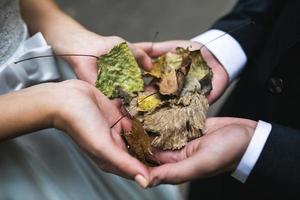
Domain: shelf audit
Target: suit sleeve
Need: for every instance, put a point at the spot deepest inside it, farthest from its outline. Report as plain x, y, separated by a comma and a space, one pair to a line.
278, 168
262, 12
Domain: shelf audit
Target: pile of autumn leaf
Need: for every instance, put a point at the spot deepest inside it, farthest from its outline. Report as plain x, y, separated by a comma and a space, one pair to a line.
167, 117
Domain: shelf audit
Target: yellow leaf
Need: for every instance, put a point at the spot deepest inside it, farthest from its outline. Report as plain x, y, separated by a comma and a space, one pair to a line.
147, 102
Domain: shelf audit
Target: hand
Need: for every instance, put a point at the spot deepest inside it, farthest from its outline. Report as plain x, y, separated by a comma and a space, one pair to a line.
86, 42
80, 110
220, 77
67, 36
87, 115
219, 150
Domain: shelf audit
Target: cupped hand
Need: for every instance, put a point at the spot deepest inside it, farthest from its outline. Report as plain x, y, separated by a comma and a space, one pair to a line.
220, 77
87, 115
219, 150
67, 36
72, 38
86, 42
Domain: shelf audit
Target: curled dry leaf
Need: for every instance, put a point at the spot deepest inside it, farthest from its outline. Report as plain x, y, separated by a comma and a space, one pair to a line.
171, 70
138, 143
199, 71
143, 102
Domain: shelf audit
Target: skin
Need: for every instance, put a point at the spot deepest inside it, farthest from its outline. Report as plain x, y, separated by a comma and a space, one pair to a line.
220, 79
225, 139
66, 36
65, 105
218, 151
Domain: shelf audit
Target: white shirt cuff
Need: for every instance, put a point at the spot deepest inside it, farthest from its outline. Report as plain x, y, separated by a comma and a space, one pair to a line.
226, 49
253, 151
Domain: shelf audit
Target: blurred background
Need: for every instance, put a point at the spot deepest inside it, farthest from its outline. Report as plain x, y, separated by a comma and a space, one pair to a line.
137, 20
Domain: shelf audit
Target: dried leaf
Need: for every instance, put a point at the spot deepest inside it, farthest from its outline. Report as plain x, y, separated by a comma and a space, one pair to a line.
132, 107
147, 101
199, 76
171, 70
185, 78
175, 114
156, 70
179, 122
168, 84
139, 143
119, 69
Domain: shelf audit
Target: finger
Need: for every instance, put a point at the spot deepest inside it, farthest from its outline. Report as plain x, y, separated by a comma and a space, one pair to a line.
86, 74
158, 48
220, 81
109, 108
214, 123
116, 135
219, 85
117, 102
168, 156
142, 58
178, 155
182, 171
213, 95
85, 69
125, 165
126, 124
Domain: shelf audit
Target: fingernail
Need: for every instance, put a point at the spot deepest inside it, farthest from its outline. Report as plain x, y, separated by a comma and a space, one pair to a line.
141, 181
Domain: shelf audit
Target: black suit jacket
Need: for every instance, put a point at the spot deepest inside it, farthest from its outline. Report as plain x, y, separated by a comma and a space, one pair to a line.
269, 90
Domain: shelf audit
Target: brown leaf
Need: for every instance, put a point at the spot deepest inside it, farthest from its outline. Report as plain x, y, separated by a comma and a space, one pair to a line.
171, 118
139, 143
178, 123
168, 84
170, 70
199, 76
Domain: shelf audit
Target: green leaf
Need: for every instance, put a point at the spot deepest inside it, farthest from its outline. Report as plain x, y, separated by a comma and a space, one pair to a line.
118, 70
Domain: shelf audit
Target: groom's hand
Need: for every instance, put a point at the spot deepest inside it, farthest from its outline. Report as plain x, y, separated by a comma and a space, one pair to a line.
219, 150
220, 77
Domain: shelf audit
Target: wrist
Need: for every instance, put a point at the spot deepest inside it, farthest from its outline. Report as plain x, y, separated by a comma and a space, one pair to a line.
66, 97
250, 156
45, 103
233, 57
26, 111
249, 132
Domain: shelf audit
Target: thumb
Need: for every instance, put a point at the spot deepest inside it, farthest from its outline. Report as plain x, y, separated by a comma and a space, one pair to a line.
183, 165
142, 58
169, 156
179, 172
86, 71
157, 48
122, 164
